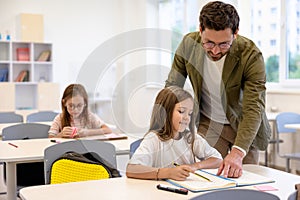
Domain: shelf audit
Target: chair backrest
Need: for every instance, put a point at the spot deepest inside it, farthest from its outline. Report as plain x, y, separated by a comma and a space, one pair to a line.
245, 194
28, 174
25, 131
105, 150
10, 117
286, 118
134, 146
41, 116
293, 196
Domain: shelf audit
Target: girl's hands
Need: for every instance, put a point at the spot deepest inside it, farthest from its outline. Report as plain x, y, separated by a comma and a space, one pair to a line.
180, 173
69, 132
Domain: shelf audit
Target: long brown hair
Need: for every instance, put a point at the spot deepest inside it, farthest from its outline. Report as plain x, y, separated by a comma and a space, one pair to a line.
162, 114
71, 91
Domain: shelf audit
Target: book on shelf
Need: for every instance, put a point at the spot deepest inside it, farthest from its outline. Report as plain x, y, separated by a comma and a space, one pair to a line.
197, 183
23, 76
3, 75
44, 56
23, 54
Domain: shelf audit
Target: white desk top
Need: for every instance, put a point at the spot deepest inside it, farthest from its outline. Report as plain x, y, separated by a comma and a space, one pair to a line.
27, 150
124, 188
33, 151
293, 126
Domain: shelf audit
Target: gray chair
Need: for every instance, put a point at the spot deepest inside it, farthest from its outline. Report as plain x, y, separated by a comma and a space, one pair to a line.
41, 116
293, 196
133, 146
281, 120
231, 194
105, 150
10, 117
28, 174
25, 131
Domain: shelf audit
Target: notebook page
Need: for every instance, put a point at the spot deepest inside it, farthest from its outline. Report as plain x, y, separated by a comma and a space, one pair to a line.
197, 183
247, 178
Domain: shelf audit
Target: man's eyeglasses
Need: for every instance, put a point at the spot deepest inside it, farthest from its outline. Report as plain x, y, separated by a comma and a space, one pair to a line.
73, 107
222, 46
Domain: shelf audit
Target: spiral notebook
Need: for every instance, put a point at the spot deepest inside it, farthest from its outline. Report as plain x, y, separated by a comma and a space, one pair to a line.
197, 183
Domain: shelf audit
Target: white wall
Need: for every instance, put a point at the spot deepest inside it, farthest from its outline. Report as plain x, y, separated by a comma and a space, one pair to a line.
75, 28
78, 28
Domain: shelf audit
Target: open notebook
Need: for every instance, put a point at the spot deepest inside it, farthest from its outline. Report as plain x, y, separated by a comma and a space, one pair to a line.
196, 183
104, 137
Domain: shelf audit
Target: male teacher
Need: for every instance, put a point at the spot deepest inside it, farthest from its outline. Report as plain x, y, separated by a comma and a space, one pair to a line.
227, 73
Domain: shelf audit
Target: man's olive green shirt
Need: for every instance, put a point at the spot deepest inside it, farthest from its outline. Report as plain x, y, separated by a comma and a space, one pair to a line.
242, 91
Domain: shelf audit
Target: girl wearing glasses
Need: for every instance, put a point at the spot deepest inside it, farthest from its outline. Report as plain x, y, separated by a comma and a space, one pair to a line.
76, 120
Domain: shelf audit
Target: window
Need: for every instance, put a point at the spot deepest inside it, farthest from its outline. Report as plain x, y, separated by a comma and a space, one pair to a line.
281, 53
259, 28
292, 40
274, 27
274, 11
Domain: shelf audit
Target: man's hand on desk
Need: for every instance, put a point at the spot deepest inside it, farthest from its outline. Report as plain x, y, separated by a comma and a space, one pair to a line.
232, 164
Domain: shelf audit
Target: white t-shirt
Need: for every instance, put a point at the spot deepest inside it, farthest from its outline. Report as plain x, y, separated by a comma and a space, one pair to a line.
211, 105
155, 153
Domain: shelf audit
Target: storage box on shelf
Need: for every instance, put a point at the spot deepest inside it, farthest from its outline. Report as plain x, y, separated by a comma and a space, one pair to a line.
29, 68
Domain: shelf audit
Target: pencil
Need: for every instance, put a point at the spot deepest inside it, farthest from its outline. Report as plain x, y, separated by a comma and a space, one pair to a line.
11, 144
175, 164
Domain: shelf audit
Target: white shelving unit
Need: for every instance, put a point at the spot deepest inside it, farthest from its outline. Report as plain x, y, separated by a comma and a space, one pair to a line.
28, 93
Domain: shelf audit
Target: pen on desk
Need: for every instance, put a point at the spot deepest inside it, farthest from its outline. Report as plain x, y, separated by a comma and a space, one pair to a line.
175, 164
11, 144
172, 189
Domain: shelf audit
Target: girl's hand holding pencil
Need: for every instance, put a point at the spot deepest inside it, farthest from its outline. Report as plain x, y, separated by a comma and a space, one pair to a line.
205, 178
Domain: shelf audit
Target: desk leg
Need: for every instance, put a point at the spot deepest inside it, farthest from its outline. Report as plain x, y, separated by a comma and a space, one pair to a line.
11, 181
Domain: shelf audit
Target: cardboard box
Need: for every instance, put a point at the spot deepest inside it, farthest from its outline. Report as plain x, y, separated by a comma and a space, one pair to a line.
30, 28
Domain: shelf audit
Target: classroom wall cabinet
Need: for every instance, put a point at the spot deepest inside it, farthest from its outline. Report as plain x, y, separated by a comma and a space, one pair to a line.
35, 58
26, 75
35, 96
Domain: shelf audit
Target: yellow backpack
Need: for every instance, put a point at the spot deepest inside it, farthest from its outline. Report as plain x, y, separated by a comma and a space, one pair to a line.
73, 167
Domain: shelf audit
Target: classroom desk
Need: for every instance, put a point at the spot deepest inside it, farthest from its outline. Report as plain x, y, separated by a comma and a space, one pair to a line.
125, 188
33, 151
293, 126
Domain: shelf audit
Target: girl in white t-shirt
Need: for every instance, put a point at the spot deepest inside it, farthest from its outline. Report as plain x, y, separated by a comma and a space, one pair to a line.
172, 140
76, 120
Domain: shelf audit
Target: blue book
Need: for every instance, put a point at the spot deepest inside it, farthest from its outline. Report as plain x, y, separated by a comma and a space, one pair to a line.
4, 75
